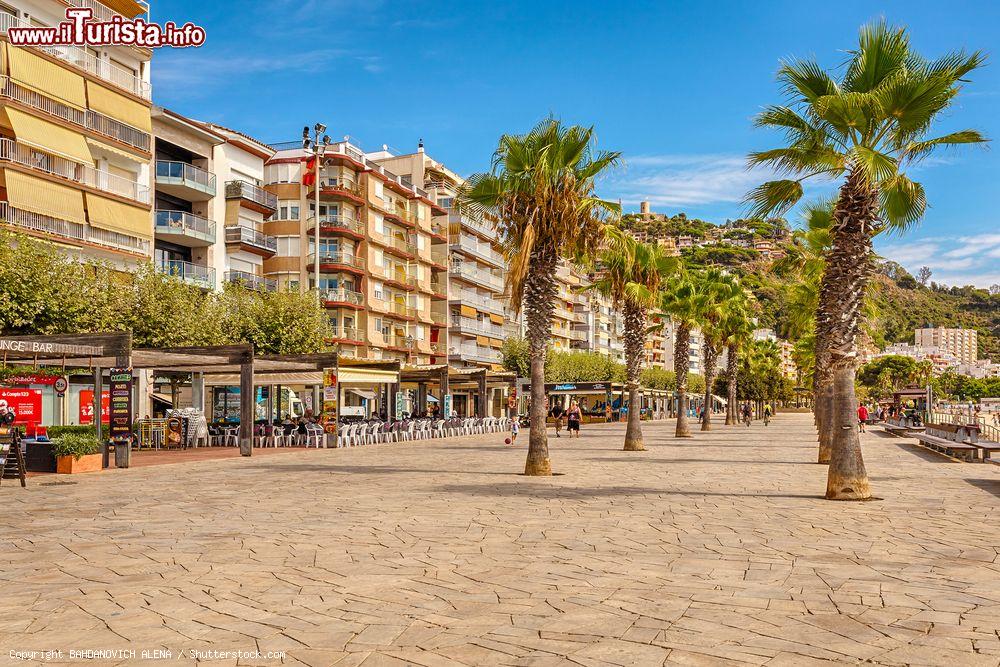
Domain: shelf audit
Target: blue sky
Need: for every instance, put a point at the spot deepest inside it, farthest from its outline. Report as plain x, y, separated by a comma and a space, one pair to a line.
673, 85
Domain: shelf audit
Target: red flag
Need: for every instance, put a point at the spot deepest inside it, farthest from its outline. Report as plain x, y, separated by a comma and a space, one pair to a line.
309, 177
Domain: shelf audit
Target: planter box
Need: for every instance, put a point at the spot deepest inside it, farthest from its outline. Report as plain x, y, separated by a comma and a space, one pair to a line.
71, 465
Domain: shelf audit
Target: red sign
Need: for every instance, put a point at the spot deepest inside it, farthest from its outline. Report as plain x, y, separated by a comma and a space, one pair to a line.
87, 407
17, 380
27, 404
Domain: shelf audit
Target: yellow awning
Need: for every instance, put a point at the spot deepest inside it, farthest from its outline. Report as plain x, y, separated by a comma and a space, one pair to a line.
45, 77
37, 195
483, 340
118, 217
119, 107
468, 311
127, 8
496, 342
367, 375
94, 143
496, 319
49, 137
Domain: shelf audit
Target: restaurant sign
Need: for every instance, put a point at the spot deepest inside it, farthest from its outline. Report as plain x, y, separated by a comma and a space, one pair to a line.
330, 391
120, 407
39, 347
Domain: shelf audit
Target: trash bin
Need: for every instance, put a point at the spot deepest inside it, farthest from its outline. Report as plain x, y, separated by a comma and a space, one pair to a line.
123, 453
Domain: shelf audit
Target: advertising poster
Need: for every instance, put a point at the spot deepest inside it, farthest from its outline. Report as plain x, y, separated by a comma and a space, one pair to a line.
120, 404
27, 404
226, 404
330, 391
87, 406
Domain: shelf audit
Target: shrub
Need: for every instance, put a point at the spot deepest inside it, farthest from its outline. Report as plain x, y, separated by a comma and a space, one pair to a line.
57, 431
76, 445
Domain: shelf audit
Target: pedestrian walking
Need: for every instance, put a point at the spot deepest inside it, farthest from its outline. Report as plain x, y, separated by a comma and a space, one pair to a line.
557, 413
862, 416
573, 417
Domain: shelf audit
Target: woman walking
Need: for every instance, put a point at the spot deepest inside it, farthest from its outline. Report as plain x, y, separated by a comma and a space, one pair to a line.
573, 420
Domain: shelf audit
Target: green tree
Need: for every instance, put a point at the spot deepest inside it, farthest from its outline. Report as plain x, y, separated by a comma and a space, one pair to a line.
865, 128
683, 303
630, 274
541, 190
722, 292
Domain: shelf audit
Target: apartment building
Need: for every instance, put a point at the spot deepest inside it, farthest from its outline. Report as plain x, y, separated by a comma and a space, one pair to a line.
75, 138
963, 344
189, 242
668, 339
382, 252
474, 287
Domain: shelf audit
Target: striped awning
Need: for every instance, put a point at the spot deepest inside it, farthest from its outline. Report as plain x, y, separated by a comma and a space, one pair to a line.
45, 77
37, 195
119, 217
119, 107
49, 137
367, 376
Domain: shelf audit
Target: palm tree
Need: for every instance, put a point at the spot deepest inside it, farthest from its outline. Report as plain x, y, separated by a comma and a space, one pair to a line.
682, 303
737, 327
630, 274
541, 191
720, 290
866, 129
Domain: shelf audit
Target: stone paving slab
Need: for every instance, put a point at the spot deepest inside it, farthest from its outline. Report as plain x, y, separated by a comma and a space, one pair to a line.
714, 550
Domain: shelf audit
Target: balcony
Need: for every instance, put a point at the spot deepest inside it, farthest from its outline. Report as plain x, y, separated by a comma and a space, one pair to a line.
251, 240
439, 288
118, 76
84, 174
479, 301
475, 353
341, 187
342, 296
92, 120
252, 281
71, 231
480, 227
396, 275
349, 334
184, 229
200, 276
475, 327
399, 342
398, 246
482, 251
184, 181
336, 260
400, 214
252, 196
477, 276
338, 224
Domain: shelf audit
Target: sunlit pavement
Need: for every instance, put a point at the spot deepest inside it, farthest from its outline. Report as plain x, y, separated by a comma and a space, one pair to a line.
713, 550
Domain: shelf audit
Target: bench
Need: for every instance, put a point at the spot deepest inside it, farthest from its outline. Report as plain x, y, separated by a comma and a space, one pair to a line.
959, 450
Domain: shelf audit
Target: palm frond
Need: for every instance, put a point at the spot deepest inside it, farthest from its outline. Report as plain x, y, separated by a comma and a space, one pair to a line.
773, 198
903, 201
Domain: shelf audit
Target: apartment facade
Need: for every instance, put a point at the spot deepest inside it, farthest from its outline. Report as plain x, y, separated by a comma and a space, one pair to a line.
75, 138
382, 253
189, 241
963, 344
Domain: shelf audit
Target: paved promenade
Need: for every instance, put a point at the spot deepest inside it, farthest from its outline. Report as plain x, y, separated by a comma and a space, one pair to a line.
715, 550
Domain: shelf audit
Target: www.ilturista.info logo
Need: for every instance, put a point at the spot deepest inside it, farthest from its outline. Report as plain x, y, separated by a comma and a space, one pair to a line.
79, 30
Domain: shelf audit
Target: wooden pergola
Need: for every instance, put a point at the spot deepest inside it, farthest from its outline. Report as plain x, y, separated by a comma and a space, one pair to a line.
99, 351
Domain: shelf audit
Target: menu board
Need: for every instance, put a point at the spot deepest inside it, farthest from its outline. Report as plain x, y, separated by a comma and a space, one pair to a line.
330, 392
120, 405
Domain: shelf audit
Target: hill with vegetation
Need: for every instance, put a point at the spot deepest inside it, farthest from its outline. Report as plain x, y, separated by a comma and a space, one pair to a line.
902, 303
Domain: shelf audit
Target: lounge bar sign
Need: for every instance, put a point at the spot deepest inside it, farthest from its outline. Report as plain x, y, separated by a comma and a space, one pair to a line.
120, 407
38, 347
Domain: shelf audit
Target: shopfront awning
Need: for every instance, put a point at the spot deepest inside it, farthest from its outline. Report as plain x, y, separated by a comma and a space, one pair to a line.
363, 393
367, 376
49, 137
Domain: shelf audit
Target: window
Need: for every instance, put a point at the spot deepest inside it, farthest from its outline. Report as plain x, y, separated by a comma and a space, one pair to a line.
421, 241
379, 190
288, 210
445, 202
289, 246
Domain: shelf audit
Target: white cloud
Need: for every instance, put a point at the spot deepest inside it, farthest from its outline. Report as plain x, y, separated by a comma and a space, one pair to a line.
962, 260
675, 180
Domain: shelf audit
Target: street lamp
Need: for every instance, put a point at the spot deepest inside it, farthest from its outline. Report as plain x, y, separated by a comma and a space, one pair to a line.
317, 147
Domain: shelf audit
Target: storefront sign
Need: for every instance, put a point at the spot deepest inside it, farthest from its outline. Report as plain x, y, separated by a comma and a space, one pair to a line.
26, 403
330, 395
87, 406
446, 409
33, 378
226, 404
399, 405
120, 408
37, 347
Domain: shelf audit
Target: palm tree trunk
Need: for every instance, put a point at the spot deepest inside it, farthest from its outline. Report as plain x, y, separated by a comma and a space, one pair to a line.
681, 364
635, 339
539, 304
711, 358
732, 365
848, 264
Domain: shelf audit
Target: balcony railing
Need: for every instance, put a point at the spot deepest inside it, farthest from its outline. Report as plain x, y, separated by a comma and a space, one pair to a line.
475, 353
398, 244
439, 286
202, 276
84, 174
467, 296
182, 173
71, 230
477, 276
441, 319
476, 225
348, 333
106, 70
481, 250
401, 309
252, 281
252, 193
342, 295
340, 183
336, 257
468, 325
182, 222
339, 222
251, 237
